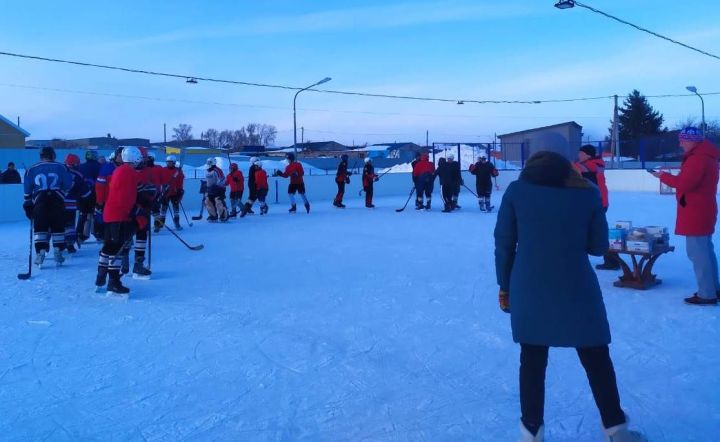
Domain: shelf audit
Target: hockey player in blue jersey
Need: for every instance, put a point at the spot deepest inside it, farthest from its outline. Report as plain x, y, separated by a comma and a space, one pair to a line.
76, 197
90, 170
45, 185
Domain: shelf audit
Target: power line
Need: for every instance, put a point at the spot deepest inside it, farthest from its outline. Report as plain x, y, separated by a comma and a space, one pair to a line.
643, 29
276, 86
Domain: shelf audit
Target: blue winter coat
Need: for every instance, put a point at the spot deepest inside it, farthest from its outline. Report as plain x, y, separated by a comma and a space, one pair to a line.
542, 240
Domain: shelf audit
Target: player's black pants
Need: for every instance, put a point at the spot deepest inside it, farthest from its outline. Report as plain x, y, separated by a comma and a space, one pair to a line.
340, 192
49, 219
600, 373
117, 237
369, 191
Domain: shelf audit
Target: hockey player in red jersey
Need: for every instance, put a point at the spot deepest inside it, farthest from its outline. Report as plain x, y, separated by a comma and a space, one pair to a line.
368, 180
261, 184
424, 176
295, 172
236, 180
118, 218
172, 195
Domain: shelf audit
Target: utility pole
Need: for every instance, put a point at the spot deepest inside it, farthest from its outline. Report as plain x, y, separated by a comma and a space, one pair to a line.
302, 135
165, 133
614, 143
18, 120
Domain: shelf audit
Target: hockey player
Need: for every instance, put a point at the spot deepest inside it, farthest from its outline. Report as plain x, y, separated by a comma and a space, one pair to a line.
76, 197
261, 183
247, 207
484, 172
443, 173
102, 187
423, 175
295, 172
455, 180
159, 179
174, 179
45, 185
215, 199
147, 193
236, 180
342, 177
118, 218
90, 170
368, 180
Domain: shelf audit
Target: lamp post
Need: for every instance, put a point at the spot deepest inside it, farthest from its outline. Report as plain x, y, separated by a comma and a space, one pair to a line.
324, 80
693, 89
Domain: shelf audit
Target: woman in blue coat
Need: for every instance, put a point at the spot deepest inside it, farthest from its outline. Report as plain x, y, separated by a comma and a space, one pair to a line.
549, 221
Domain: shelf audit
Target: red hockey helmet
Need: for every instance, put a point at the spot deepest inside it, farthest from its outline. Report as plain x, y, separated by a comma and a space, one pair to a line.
233, 166
72, 160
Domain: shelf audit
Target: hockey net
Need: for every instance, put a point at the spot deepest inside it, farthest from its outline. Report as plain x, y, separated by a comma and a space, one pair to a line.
664, 188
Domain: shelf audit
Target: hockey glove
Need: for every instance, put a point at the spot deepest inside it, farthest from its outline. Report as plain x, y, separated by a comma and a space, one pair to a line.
28, 208
179, 194
504, 301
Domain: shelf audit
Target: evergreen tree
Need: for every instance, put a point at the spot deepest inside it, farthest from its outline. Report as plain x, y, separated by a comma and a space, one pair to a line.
637, 119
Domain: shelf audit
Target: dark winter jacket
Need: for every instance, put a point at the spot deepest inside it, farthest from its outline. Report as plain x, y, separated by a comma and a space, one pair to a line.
449, 174
696, 187
549, 221
10, 177
342, 175
484, 171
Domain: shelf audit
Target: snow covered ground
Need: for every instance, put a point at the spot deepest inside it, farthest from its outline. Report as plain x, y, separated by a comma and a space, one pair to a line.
339, 325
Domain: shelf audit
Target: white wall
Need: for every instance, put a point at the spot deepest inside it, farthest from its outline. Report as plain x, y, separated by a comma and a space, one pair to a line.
321, 189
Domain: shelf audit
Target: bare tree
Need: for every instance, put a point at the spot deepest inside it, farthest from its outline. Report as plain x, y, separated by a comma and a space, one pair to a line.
183, 132
267, 133
212, 137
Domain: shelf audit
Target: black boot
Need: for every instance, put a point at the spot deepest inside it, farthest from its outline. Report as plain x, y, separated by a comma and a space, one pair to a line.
307, 207
140, 271
428, 205
176, 223
115, 286
419, 205
293, 209
101, 279
245, 210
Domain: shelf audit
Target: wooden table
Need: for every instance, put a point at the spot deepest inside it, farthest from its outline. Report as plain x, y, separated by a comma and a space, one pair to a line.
640, 276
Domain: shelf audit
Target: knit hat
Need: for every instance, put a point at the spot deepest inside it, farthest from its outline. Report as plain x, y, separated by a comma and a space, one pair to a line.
589, 149
690, 134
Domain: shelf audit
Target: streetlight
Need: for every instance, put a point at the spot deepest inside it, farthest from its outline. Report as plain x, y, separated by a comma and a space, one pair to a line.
565, 4
324, 80
693, 89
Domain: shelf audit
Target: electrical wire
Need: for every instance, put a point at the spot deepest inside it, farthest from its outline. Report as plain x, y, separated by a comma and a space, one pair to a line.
645, 30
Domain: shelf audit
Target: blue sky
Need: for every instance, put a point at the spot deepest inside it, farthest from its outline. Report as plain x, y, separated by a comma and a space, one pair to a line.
524, 50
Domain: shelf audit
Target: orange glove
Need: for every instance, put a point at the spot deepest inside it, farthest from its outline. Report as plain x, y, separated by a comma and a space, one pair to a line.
504, 301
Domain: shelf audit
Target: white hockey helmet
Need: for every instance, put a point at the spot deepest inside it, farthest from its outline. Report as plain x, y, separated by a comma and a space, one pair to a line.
151, 154
132, 155
170, 158
253, 160
367, 160
451, 157
211, 162
259, 164
111, 157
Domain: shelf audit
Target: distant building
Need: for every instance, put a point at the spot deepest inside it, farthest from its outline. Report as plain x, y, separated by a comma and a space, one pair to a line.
563, 138
11, 135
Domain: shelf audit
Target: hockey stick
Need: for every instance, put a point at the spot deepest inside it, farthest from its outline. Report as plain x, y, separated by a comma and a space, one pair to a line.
149, 242
470, 190
198, 247
496, 184
406, 202
25, 276
202, 207
185, 213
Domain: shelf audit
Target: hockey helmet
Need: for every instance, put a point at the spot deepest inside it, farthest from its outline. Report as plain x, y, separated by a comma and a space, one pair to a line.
344, 157
367, 160
72, 160
170, 158
211, 162
90, 155
290, 156
450, 157
253, 160
132, 155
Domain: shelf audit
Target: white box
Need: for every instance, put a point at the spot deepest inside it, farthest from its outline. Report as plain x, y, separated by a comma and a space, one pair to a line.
627, 225
656, 230
638, 246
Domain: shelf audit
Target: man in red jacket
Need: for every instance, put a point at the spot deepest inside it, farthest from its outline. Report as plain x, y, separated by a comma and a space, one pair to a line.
696, 188
295, 172
118, 220
592, 168
236, 180
424, 176
174, 179
261, 185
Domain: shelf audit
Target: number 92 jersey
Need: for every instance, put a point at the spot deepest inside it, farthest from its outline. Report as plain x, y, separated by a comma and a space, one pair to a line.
47, 176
